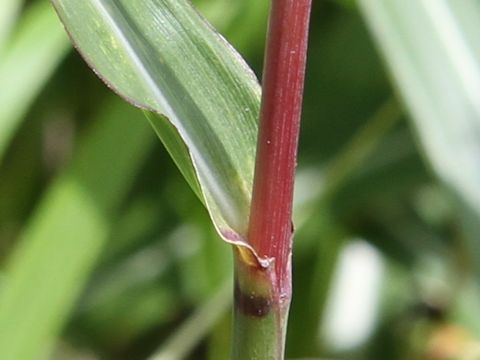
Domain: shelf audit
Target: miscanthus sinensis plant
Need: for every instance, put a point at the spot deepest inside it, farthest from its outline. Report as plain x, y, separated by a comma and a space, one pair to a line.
236, 146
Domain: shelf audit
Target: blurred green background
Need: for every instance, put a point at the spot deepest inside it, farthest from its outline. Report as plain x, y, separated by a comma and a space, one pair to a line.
113, 257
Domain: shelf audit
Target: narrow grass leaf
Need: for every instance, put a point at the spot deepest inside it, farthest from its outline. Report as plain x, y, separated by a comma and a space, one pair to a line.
64, 238
195, 328
162, 56
9, 10
38, 46
433, 53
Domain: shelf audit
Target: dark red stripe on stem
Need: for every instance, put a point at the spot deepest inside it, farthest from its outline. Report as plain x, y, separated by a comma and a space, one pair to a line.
270, 228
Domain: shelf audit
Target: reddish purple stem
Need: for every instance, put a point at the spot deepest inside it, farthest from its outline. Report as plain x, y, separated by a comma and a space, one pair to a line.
270, 228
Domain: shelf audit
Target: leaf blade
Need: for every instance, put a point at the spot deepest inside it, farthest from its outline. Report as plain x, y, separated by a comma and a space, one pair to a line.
67, 233
170, 61
38, 48
440, 83
9, 10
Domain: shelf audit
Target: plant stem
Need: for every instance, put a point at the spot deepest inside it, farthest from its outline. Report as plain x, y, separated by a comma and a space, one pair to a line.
263, 294
256, 334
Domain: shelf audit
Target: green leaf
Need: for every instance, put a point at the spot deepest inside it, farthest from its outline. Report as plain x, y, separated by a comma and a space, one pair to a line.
163, 57
194, 329
177, 149
433, 53
9, 10
66, 234
241, 20
38, 46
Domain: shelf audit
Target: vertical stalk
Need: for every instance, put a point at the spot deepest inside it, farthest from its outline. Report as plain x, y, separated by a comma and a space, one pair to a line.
263, 294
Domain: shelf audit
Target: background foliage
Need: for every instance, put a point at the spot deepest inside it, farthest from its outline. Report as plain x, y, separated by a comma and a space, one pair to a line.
125, 263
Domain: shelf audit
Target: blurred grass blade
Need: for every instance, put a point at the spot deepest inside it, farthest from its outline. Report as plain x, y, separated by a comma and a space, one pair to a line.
38, 46
195, 328
60, 245
163, 57
433, 52
8, 15
241, 20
